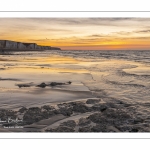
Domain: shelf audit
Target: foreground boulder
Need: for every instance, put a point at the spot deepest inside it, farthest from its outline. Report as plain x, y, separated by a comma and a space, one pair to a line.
117, 114
100, 119
47, 108
66, 109
99, 107
35, 114
85, 129
99, 128
80, 107
22, 110
4, 114
32, 115
112, 117
84, 122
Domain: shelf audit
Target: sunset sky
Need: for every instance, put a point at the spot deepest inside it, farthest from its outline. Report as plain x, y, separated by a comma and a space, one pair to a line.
79, 33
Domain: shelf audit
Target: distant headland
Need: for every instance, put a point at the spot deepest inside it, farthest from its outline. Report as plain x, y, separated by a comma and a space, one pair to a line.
13, 45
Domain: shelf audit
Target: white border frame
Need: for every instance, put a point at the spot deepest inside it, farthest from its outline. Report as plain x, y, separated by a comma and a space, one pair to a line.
74, 14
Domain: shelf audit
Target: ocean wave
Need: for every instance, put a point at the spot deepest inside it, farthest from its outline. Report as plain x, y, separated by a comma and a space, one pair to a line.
123, 84
123, 73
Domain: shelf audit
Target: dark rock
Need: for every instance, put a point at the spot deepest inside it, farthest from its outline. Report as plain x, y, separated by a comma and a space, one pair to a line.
59, 83
99, 118
23, 85
32, 116
53, 84
35, 114
69, 82
9, 124
47, 114
116, 114
22, 110
65, 105
69, 123
112, 105
47, 107
127, 105
138, 120
35, 109
42, 85
80, 107
84, 121
93, 101
66, 111
56, 83
99, 128
99, 107
4, 114
48, 110
68, 108
115, 117
120, 102
104, 127
85, 129
134, 130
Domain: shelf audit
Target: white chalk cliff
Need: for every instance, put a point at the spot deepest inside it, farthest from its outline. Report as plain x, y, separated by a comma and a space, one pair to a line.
12, 45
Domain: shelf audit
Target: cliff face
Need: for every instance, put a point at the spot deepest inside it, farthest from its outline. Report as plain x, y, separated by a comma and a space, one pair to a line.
5, 44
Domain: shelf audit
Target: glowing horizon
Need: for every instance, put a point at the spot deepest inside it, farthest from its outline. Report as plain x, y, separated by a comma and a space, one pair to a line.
79, 33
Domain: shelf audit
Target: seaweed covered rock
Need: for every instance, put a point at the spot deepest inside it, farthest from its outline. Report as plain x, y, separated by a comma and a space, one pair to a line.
99, 107
85, 129
22, 110
32, 115
68, 108
35, 114
69, 123
99, 128
117, 114
47, 108
84, 122
65, 108
99, 119
66, 112
80, 107
4, 114
114, 117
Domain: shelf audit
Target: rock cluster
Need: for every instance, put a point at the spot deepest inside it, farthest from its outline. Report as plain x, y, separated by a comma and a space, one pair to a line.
35, 114
98, 116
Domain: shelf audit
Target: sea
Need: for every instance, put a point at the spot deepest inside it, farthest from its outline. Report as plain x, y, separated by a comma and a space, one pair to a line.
115, 75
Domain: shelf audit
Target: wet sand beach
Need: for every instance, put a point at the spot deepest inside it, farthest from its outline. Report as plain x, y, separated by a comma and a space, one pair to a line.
59, 92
